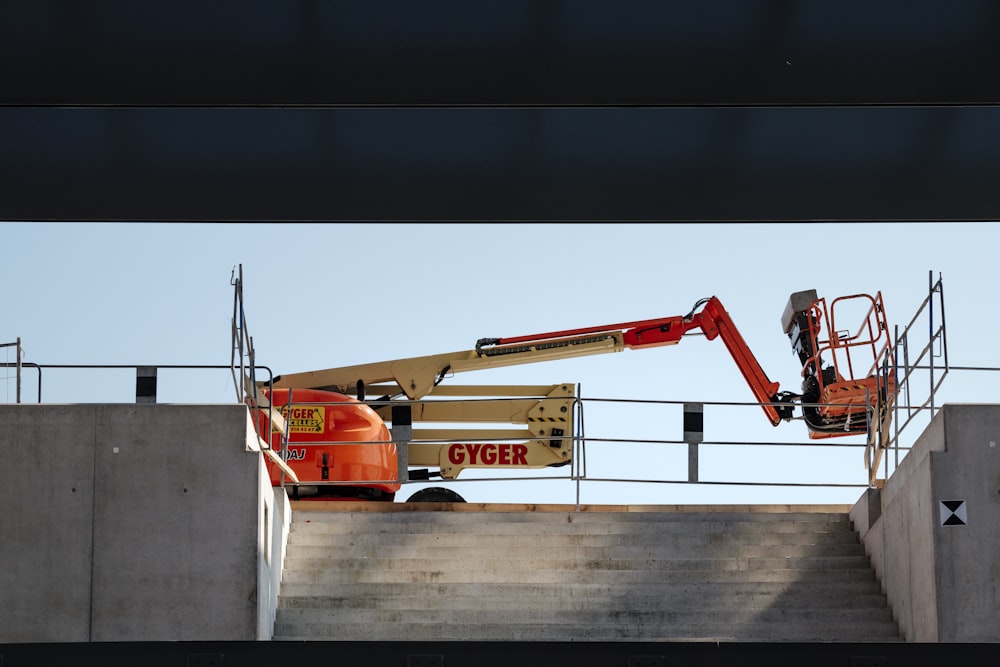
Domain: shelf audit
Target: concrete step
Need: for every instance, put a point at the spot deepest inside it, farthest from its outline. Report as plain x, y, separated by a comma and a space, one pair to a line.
679, 535
597, 522
695, 599
331, 574
858, 592
566, 567
666, 615
613, 552
414, 513
619, 630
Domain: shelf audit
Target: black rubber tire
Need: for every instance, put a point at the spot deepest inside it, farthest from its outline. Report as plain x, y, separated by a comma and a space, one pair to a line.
435, 494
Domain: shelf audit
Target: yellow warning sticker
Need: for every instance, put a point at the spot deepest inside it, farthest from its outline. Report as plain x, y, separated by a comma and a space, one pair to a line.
303, 419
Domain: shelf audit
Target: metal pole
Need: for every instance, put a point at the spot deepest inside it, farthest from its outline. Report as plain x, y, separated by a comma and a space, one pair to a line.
402, 434
17, 382
694, 433
930, 334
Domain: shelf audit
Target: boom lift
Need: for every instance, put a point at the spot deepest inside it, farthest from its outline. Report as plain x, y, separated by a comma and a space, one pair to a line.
336, 443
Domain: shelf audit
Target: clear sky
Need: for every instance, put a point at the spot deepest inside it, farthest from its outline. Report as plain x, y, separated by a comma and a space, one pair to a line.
327, 295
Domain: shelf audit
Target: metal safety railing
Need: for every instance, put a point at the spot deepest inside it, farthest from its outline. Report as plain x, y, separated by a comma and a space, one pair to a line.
18, 352
913, 355
243, 368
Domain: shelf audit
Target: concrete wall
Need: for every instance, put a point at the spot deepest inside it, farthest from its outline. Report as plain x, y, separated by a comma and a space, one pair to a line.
941, 574
157, 523
275, 522
131, 523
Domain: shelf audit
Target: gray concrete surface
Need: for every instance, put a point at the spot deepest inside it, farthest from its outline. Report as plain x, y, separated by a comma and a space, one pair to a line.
941, 574
131, 523
718, 574
155, 522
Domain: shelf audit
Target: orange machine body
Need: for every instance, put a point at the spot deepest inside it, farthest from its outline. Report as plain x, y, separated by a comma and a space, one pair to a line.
336, 443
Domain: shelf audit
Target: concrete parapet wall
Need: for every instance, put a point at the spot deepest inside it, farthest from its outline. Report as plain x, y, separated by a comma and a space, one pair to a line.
157, 523
129, 523
274, 526
941, 569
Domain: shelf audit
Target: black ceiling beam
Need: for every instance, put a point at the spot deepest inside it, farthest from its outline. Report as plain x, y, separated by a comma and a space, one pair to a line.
499, 52
471, 653
661, 164
520, 110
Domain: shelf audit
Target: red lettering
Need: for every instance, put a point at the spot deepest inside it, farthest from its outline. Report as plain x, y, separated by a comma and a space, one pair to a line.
520, 454
505, 454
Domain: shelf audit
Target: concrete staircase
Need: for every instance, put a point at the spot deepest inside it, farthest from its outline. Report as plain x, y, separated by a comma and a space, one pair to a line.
436, 571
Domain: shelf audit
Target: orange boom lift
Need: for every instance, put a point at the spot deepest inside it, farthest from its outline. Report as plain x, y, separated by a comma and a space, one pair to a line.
336, 444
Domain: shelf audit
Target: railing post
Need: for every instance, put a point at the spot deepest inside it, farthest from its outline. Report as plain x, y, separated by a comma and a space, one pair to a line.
18, 380
145, 384
694, 433
402, 433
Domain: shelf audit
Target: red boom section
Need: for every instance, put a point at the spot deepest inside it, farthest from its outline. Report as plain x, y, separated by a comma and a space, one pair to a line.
642, 333
715, 321
712, 319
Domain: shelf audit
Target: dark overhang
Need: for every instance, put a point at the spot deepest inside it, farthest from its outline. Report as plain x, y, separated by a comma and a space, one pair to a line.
522, 110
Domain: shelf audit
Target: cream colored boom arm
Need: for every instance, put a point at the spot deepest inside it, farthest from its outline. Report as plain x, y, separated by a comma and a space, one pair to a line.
416, 377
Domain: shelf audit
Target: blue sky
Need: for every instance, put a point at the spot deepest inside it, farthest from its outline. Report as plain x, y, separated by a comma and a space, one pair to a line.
326, 295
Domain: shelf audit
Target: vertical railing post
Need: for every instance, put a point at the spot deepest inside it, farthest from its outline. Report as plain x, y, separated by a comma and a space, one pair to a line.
694, 433
402, 433
145, 384
17, 380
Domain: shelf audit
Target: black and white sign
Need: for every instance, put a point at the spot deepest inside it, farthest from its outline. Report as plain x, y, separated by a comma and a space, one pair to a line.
953, 513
